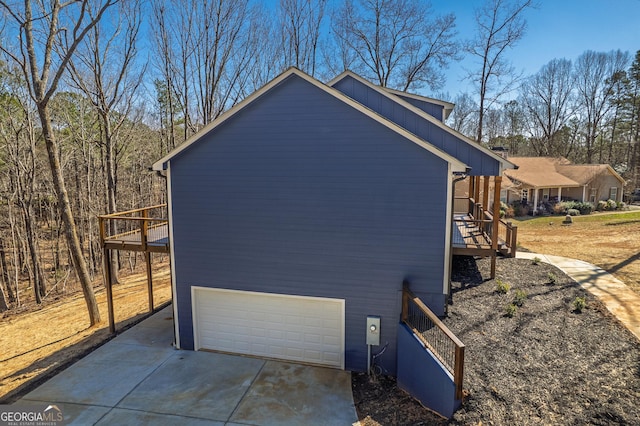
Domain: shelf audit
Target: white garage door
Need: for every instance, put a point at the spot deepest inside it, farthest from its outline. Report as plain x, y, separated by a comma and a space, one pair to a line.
295, 328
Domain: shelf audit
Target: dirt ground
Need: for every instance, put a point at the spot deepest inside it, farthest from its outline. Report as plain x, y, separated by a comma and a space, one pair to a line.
546, 365
38, 342
611, 241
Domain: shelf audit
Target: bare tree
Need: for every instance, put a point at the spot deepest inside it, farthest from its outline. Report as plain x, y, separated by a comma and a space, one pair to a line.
548, 99
593, 76
103, 69
632, 103
300, 23
48, 37
207, 48
166, 86
19, 138
464, 115
396, 43
500, 24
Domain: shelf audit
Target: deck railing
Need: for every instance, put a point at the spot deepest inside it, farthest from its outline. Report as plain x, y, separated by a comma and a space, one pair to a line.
138, 226
434, 335
508, 235
481, 220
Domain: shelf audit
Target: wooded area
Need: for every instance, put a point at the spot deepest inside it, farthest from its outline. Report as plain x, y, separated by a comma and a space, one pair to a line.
92, 92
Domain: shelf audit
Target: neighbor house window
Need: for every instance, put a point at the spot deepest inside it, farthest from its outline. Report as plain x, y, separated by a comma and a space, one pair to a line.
545, 194
525, 195
594, 193
613, 193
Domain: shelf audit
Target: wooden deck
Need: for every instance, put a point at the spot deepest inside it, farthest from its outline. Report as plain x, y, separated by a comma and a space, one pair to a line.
468, 237
156, 239
145, 230
473, 237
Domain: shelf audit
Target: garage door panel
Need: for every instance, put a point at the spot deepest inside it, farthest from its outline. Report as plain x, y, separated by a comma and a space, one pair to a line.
287, 327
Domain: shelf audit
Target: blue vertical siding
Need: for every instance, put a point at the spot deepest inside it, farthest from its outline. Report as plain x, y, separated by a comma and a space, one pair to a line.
299, 193
434, 110
423, 376
481, 163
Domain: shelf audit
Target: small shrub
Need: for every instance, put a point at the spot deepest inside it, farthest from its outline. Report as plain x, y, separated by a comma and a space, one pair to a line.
579, 304
520, 297
502, 287
510, 310
602, 206
552, 278
560, 208
519, 209
611, 205
622, 206
536, 260
584, 208
573, 212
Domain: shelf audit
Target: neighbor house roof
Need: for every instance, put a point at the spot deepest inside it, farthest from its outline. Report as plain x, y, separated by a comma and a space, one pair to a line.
551, 172
584, 173
456, 165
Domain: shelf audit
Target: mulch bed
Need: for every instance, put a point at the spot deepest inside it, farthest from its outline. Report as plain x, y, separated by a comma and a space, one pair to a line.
545, 365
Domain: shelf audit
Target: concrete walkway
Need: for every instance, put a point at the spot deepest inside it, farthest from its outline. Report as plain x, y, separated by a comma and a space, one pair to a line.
139, 378
619, 299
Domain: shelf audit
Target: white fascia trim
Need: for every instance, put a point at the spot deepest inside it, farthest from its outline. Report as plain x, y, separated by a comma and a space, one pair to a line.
504, 164
194, 317
458, 165
448, 232
159, 165
172, 258
615, 174
448, 106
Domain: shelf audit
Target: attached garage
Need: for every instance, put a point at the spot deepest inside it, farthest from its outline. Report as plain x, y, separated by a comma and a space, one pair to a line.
287, 327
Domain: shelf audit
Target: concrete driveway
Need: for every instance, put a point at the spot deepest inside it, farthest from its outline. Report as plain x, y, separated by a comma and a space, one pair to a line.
139, 378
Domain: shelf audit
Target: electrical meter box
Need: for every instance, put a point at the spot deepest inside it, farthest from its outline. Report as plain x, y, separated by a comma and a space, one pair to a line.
373, 330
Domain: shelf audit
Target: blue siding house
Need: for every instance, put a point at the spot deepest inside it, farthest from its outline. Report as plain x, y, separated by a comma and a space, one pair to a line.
298, 214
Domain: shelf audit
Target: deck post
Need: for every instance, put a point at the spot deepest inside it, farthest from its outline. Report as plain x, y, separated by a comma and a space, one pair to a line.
471, 192
147, 258
485, 191
476, 193
108, 286
496, 218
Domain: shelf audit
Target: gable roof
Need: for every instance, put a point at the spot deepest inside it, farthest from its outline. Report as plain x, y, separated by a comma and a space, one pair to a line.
446, 106
387, 93
584, 173
542, 172
456, 165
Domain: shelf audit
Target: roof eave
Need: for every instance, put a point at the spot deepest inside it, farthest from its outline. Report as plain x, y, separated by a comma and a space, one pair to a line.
388, 93
457, 165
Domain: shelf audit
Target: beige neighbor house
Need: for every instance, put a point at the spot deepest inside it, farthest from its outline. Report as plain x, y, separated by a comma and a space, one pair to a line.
539, 180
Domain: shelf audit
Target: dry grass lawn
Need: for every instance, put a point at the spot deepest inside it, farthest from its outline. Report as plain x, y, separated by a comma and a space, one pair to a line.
38, 342
610, 241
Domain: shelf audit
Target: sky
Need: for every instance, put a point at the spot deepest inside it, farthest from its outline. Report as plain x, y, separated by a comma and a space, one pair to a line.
555, 29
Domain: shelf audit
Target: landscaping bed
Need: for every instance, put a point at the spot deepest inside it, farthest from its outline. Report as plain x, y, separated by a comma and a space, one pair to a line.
548, 364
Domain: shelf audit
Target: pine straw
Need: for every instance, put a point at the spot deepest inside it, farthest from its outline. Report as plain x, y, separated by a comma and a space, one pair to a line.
546, 365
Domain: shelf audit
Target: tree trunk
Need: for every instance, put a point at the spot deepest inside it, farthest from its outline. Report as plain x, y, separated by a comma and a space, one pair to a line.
111, 191
64, 207
39, 287
5, 272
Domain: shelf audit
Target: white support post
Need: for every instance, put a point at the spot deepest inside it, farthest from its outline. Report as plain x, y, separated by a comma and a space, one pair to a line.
535, 201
